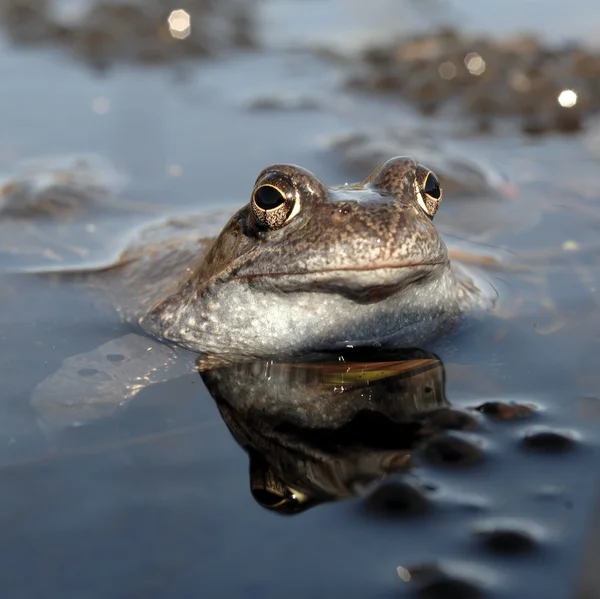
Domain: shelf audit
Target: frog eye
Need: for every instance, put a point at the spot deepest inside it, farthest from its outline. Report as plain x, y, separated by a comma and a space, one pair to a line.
268, 198
272, 207
427, 190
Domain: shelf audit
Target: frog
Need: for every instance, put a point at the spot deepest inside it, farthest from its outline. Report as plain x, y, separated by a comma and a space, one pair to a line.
305, 267
302, 268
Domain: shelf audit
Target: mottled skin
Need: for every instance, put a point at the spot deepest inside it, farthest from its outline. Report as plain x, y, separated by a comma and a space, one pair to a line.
353, 265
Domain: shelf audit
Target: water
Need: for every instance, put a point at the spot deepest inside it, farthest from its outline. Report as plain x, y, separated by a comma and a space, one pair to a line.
153, 497
351, 22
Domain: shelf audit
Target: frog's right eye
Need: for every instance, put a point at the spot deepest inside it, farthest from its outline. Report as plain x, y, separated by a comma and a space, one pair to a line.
428, 190
274, 204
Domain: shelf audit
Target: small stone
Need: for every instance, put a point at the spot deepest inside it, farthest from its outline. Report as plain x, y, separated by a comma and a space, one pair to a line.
433, 582
547, 440
448, 419
450, 449
505, 412
396, 499
507, 540
449, 588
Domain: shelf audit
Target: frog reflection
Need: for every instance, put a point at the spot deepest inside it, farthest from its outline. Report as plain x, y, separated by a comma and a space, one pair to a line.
324, 431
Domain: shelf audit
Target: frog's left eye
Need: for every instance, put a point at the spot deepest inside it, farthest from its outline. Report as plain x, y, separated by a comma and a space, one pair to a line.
428, 191
273, 205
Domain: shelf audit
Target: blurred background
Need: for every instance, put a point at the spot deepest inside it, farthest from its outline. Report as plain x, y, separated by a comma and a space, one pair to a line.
169, 107
181, 97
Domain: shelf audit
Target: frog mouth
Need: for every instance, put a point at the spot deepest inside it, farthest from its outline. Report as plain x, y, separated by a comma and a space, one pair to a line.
363, 285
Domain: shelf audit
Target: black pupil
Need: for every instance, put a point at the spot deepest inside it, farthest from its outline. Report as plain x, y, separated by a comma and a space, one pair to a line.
267, 197
432, 186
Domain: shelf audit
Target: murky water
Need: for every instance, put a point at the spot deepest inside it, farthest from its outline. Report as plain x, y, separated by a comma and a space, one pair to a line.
473, 464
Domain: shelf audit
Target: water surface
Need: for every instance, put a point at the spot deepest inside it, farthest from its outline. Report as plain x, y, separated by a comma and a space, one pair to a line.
154, 497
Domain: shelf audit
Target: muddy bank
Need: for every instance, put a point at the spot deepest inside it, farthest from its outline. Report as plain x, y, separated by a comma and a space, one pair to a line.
101, 32
543, 88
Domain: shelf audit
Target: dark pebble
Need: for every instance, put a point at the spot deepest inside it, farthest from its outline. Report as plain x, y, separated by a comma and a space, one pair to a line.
396, 499
450, 449
503, 411
507, 541
450, 588
432, 582
550, 441
451, 420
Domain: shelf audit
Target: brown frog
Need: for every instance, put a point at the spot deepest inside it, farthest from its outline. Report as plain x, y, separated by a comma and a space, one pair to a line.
302, 268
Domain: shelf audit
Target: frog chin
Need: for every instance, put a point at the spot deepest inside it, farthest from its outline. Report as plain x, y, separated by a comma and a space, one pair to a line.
294, 315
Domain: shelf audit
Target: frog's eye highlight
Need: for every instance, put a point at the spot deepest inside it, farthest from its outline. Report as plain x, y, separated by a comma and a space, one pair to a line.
427, 190
272, 207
